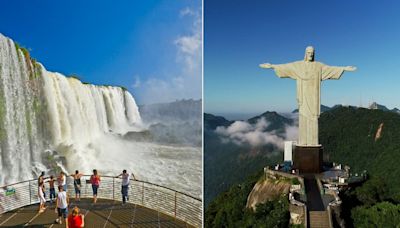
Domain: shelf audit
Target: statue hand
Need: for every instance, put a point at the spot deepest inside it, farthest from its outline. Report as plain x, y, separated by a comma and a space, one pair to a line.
350, 68
266, 65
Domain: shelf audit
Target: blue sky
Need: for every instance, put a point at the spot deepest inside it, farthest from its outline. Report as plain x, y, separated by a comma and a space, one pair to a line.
153, 48
240, 34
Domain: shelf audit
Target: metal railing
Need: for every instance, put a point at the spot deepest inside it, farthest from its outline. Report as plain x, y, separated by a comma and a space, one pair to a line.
163, 199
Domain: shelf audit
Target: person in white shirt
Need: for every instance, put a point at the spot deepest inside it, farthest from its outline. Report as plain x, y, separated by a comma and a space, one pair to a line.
62, 180
125, 185
62, 205
42, 199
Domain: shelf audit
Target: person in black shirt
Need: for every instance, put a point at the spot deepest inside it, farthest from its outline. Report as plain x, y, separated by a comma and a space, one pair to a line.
77, 184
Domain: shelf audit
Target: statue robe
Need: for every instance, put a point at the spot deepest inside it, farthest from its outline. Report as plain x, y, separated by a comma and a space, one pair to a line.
308, 76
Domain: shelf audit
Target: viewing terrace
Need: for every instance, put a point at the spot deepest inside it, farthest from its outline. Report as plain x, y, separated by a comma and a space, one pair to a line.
149, 205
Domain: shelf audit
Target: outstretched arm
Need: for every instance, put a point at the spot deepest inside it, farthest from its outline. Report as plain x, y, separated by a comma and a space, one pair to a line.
350, 68
266, 65
287, 70
334, 72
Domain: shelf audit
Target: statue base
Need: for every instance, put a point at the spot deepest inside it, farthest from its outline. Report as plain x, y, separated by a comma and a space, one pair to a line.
308, 159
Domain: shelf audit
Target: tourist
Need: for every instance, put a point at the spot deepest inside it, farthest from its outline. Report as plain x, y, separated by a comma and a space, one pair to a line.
41, 181
52, 189
41, 178
77, 184
42, 199
62, 181
95, 181
125, 185
62, 205
75, 219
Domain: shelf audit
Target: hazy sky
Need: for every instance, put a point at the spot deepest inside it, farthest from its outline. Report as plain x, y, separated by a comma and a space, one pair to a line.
239, 35
153, 48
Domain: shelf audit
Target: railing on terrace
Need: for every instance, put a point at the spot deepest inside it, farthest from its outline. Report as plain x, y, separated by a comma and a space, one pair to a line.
166, 200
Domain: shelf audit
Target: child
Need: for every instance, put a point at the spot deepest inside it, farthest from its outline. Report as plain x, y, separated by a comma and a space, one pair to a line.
52, 189
76, 220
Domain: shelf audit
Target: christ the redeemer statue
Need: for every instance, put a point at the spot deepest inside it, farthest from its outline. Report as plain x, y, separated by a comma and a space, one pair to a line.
308, 75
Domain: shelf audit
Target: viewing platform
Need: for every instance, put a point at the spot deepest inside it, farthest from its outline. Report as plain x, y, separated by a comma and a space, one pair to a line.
149, 205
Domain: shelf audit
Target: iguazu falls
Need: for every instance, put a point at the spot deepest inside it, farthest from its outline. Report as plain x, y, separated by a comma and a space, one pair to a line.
52, 122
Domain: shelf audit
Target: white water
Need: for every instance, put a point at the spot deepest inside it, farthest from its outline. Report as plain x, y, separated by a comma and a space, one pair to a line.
42, 110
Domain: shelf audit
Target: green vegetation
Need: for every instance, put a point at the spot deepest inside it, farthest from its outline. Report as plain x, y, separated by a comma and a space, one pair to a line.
226, 163
24, 50
383, 214
37, 69
74, 76
349, 137
228, 209
295, 181
29, 60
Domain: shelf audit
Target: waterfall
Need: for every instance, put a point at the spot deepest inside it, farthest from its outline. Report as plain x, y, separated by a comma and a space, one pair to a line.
42, 110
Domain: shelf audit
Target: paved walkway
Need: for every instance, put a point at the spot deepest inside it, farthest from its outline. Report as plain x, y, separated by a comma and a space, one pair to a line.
105, 213
314, 200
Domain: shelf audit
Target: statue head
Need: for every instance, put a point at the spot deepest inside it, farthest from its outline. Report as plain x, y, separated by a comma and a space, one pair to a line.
309, 55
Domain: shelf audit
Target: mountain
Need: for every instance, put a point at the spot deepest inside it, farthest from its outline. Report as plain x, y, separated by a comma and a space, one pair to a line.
177, 122
227, 162
364, 139
276, 121
323, 109
395, 110
181, 110
375, 105
211, 122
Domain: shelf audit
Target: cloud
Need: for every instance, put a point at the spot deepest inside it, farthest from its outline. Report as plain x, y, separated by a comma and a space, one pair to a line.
137, 82
187, 82
190, 45
186, 11
244, 133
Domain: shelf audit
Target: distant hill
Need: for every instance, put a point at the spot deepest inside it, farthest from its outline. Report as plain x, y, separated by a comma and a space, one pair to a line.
277, 122
374, 105
396, 110
227, 163
211, 122
178, 122
180, 110
323, 109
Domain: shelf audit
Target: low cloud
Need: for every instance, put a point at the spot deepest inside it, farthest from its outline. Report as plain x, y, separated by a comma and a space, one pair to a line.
255, 135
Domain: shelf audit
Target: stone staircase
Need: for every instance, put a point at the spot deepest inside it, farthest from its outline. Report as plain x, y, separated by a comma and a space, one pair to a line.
319, 219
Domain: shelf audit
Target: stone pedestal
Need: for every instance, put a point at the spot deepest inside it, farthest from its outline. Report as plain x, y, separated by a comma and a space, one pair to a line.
308, 159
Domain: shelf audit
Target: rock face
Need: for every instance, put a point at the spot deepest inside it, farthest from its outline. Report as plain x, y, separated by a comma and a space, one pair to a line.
265, 190
42, 110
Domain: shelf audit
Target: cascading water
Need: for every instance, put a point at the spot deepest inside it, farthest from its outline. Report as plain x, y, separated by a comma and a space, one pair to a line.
51, 122
44, 110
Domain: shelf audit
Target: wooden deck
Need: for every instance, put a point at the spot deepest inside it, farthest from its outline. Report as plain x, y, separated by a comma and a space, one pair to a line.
105, 213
